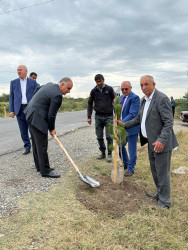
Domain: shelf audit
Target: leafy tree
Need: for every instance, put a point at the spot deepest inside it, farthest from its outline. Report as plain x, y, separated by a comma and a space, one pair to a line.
183, 103
4, 98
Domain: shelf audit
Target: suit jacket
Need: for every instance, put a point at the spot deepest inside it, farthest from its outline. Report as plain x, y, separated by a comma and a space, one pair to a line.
130, 111
15, 98
159, 122
42, 109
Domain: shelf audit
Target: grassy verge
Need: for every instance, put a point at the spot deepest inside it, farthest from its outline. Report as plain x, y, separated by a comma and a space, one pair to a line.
57, 220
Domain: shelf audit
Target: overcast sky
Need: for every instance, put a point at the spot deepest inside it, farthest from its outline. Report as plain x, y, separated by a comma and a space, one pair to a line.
121, 39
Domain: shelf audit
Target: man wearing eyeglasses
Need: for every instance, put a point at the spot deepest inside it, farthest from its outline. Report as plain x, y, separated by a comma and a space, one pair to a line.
156, 119
103, 98
130, 107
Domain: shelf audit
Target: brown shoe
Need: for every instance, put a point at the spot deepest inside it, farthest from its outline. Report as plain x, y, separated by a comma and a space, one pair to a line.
128, 174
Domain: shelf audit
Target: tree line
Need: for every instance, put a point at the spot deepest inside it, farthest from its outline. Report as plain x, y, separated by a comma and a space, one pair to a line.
68, 104
76, 104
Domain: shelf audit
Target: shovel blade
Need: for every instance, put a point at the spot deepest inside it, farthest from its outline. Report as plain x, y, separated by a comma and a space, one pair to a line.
88, 180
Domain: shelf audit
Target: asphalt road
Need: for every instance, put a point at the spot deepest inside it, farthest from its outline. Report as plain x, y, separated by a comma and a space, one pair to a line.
11, 141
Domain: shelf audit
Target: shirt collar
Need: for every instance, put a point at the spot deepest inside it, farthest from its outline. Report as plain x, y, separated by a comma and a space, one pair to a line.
102, 87
150, 97
23, 79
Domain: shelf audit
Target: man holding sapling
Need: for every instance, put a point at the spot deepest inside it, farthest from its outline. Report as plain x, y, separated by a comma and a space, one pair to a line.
130, 103
156, 120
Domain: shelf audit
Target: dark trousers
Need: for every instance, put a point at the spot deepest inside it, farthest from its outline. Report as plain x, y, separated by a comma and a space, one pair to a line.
40, 147
102, 122
173, 110
160, 169
129, 160
24, 129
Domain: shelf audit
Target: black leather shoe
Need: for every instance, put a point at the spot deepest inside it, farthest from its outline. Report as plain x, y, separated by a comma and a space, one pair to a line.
26, 151
152, 196
125, 166
160, 205
101, 156
51, 174
128, 174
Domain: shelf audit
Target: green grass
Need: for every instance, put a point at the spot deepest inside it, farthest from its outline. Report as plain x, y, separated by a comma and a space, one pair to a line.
57, 220
101, 170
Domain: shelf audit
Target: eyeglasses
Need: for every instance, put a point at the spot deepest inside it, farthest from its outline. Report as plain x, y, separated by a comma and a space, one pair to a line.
124, 89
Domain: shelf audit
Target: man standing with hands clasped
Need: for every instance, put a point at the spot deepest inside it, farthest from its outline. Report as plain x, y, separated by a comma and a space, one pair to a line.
103, 97
156, 119
21, 92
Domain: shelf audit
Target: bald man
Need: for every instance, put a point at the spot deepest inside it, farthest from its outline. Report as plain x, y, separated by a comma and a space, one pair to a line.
21, 92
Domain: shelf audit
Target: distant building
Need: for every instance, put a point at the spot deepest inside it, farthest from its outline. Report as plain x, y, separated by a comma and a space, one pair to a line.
117, 90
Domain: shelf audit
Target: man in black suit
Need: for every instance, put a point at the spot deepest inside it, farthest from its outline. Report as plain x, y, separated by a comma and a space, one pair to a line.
41, 114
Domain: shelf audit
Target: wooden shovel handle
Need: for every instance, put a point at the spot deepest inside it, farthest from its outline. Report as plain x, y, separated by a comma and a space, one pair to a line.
66, 153
115, 152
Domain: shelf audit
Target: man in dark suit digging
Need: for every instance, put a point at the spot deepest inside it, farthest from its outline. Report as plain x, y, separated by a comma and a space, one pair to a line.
41, 114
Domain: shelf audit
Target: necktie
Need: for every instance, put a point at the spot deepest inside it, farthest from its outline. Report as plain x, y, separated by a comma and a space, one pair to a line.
123, 100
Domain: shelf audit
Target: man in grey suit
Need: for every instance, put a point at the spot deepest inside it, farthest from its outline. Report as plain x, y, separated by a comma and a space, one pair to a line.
156, 119
41, 114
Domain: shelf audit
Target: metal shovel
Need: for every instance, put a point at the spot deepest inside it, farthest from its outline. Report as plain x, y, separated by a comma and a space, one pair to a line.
85, 179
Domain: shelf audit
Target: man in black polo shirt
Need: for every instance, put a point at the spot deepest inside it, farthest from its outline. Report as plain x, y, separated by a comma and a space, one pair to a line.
103, 98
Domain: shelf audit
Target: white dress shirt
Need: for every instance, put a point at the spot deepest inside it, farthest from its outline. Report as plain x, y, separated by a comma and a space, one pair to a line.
23, 84
143, 123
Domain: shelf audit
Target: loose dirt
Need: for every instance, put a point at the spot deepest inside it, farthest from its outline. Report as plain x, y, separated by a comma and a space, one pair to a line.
117, 200
113, 199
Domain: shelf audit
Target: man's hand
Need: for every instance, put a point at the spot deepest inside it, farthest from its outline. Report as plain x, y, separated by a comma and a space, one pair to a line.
120, 123
158, 146
11, 114
89, 121
53, 132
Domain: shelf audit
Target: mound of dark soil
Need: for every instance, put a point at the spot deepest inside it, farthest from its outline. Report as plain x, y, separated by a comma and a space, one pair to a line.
113, 199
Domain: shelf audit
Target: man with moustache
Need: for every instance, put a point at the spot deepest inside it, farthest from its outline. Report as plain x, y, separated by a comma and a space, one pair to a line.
156, 119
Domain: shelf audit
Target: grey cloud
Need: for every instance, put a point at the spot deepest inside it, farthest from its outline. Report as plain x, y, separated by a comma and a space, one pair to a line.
81, 37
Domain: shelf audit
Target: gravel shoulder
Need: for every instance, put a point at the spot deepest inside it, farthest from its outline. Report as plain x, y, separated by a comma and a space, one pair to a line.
19, 176
18, 173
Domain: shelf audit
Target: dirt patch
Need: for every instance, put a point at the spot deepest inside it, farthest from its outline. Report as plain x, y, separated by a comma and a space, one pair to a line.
15, 181
113, 199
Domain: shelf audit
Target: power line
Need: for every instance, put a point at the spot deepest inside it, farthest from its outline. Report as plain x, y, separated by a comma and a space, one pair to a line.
26, 7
